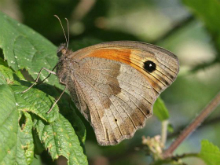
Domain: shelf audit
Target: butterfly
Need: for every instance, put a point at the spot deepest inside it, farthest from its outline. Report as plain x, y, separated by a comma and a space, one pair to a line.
115, 84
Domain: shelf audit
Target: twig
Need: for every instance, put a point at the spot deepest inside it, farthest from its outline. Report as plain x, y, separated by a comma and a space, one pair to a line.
197, 121
205, 124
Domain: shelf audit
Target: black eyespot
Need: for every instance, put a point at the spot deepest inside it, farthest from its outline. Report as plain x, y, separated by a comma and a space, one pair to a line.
149, 66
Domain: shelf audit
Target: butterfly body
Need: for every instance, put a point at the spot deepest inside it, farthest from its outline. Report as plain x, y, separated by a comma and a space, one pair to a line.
115, 84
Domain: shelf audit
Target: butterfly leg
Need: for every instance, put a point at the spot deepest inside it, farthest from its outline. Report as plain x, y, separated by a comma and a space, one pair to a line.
58, 97
38, 76
48, 75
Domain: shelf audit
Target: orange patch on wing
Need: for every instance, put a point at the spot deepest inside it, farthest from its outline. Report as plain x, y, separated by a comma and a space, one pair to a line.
112, 54
127, 56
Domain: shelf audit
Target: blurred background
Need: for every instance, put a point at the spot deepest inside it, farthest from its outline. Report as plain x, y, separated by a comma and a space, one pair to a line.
188, 28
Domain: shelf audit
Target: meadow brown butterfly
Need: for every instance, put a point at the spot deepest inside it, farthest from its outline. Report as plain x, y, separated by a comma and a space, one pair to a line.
115, 84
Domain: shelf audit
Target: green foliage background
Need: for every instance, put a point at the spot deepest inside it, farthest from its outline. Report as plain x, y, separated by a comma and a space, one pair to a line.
188, 28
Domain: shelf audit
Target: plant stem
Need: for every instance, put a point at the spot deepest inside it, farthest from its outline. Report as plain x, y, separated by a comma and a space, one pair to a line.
196, 122
164, 125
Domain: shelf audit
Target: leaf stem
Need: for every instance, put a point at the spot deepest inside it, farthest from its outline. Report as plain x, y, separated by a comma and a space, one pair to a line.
196, 122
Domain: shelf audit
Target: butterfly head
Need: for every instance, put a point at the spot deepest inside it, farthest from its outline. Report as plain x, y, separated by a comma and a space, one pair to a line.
62, 50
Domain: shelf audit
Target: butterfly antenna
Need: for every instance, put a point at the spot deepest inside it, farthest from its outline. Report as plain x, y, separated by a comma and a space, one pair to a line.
67, 42
68, 31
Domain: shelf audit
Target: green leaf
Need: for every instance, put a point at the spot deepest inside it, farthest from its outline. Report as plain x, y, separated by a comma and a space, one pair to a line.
17, 142
60, 139
210, 153
22, 149
20, 156
26, 137
8, 126
160, 110
8, 76
24, 48
208, 12
36, 102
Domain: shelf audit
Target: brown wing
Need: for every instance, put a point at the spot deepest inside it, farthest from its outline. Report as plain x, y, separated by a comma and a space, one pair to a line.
115, 91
